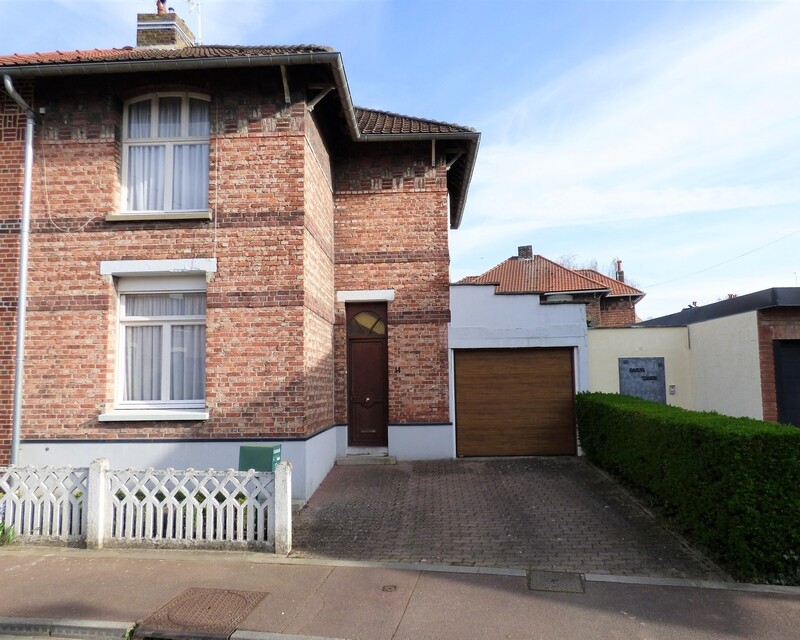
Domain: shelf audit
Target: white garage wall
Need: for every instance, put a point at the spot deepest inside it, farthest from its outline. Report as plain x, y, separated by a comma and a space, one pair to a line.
479, 319
608, 344
727, 370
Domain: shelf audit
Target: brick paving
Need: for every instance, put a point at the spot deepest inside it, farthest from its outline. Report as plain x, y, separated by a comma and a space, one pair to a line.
547, 513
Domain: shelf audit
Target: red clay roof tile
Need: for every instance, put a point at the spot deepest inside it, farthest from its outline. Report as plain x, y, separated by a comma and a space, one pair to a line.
371, 121
127, 54
617, 288
535, 275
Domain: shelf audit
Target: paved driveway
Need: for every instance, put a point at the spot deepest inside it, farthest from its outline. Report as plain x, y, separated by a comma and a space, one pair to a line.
547, 513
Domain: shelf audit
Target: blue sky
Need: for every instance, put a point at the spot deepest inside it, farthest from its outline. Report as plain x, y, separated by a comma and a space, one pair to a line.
663, 133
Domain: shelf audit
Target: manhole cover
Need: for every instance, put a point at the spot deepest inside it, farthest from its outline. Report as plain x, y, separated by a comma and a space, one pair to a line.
203, 614
555, 581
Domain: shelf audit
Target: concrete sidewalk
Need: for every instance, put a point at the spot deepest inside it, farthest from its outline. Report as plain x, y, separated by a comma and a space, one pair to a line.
310, 598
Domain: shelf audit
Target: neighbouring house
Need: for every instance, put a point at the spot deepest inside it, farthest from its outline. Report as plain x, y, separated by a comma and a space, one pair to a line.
609, 302
739, 357
224, 250
518, 341
616, 307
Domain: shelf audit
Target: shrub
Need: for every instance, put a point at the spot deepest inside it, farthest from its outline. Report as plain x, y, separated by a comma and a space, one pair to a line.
6, 534
731, 484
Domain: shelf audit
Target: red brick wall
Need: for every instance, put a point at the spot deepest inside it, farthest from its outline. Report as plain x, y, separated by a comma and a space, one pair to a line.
272, 323
259, 302
318, 283
610, 312
12, 153
391, 233
773, 324
594, 316
617, 312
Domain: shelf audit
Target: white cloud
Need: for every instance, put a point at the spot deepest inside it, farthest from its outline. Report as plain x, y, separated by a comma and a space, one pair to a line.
698, 127
694, 113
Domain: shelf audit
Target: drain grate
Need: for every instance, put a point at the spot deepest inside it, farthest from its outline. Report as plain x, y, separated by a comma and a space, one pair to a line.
555, 581
200, 614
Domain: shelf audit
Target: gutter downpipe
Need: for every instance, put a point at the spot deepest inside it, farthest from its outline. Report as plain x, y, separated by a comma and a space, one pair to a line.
22, 300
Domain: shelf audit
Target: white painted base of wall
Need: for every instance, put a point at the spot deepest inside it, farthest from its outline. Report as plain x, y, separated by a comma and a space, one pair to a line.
422, 442
311, 459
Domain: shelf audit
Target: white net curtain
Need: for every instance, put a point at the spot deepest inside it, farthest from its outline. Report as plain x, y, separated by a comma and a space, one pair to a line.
165, 347
167, 164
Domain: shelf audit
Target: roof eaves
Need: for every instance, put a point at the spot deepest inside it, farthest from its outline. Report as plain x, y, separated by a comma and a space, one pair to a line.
331, 58
639, 295
472, 139
560, 292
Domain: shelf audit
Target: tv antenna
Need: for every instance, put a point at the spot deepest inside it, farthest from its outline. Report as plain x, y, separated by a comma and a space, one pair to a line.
195, 4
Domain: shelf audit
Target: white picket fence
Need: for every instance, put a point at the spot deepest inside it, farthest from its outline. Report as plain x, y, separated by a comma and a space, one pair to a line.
48, 503
102, 507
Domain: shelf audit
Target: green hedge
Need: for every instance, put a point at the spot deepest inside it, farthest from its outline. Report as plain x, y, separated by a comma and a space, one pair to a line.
731, 484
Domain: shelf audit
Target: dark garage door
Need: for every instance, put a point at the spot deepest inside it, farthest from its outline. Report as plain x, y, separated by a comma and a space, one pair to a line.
514, 402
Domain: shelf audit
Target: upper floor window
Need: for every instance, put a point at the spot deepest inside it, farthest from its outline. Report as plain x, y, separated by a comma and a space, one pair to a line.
165, 151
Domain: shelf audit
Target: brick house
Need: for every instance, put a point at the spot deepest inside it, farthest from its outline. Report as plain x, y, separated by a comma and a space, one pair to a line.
224, 250
610, 302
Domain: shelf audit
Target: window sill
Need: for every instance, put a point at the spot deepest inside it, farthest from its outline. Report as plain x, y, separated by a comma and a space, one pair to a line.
159, 215
158, 415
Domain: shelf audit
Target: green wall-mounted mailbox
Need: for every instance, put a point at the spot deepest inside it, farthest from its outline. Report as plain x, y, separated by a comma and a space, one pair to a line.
261, 457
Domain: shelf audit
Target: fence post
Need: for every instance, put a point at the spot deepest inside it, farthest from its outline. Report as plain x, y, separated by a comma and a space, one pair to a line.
97, 504
283, 508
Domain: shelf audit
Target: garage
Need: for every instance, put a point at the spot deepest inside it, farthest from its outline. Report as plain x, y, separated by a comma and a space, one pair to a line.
514, 402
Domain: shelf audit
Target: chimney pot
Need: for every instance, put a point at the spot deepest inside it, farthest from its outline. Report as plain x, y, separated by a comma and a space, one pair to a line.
620, 272
525, 252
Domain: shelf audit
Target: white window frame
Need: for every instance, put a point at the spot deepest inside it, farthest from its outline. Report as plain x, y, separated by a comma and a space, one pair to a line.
166, 323
169, 143
154, 276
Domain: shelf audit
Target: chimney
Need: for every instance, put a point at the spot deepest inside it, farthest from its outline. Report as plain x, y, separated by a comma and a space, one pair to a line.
525, 252
620, 272
162, 30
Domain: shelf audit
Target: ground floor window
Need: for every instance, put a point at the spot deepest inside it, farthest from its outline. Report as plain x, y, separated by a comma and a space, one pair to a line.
162, 339
160, 344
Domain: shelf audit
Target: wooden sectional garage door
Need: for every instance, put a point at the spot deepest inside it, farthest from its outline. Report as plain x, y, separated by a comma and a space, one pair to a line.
514, 402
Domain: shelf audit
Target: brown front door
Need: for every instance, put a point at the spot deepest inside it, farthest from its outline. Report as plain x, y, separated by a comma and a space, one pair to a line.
367, 374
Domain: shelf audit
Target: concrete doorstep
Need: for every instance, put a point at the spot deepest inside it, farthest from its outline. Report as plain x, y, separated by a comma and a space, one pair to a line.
353, 460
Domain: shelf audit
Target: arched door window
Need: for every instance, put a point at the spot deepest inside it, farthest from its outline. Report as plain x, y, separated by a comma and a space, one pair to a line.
366, 323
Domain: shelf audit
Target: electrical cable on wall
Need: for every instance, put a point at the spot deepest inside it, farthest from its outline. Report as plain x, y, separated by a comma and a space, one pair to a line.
43, 153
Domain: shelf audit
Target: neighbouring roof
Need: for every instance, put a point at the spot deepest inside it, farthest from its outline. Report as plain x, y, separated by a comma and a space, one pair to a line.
764, 299
617, 287
536, 275
364, 125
